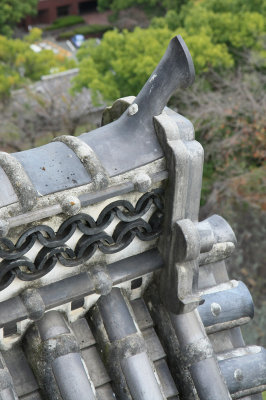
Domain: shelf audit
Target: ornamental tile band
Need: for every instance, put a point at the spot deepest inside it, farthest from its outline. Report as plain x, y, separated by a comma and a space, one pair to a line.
94, 238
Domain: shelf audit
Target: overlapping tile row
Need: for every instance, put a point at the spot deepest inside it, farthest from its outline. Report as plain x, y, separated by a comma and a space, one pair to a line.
17, 312
60, 360
243, 367
47, 355
86, 253
227, 305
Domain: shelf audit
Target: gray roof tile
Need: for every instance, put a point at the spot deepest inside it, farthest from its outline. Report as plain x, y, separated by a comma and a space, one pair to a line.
169, 387
142, 315
22, 375
83, 333
154, 347
95, 366
33, 396
105, 392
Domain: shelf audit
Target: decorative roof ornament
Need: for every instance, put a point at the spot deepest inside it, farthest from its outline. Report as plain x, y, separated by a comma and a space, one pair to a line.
110, 286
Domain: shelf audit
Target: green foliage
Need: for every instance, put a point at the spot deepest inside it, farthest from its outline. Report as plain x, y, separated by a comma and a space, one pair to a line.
117, 5
208, 180
264, 395
66, 21
234, 6
86, 30
123, 61
117, 66
205, 53
8, 80
173, 4
12, 11
34, 36
170, 20
19, 64
237, 24
239, 30
216, 32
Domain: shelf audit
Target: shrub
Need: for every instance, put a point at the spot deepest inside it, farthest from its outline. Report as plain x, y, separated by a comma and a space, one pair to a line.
218, 34
64, 22
117, 5
35, 35
121, 64
19, 64
12, 12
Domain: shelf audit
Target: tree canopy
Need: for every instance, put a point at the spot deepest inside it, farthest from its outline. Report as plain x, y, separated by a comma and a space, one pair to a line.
117, 5
12, 11
19, 64
123, 61
216, 32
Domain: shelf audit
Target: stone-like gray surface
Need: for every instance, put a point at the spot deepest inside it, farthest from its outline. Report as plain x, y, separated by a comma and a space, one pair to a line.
98, 341
71, 378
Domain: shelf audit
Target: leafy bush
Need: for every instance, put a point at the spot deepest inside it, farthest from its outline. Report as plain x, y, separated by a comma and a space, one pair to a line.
239, 29
117, 5
217, 34
19, 64
85, 30
35, 35
12, 11
66, 21
121, 64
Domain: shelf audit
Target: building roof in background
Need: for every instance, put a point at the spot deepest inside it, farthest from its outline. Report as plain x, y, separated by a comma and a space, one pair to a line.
51, 45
